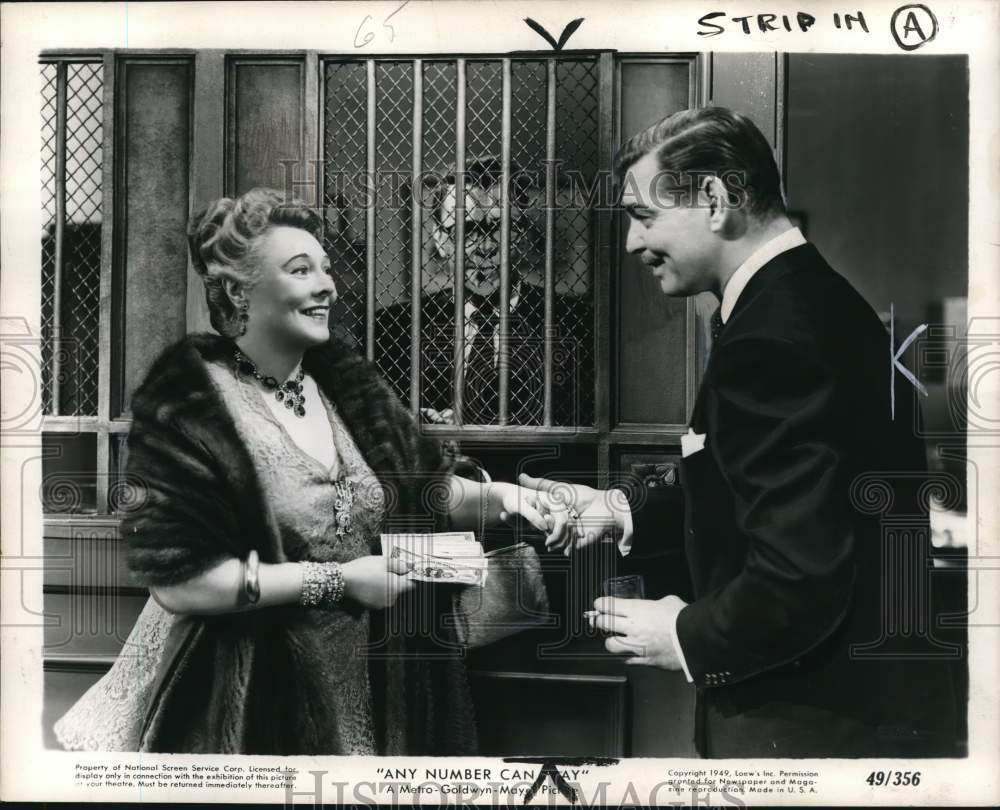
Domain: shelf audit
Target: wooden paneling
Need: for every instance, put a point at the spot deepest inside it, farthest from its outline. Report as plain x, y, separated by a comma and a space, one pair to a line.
652, 328
605, 248
665, 572
154, 133
69, 474
90, 558
882, 245
529, 714
108, 229
208, 161
88, 624
62, 688
265, 122
746, 82
663, 713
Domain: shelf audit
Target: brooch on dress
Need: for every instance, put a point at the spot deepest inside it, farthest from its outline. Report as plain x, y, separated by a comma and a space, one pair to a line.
343, 505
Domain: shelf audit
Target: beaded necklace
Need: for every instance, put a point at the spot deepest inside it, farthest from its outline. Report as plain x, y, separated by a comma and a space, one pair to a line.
289, 392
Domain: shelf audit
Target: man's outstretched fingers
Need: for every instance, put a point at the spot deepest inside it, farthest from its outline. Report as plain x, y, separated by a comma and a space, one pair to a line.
541, 484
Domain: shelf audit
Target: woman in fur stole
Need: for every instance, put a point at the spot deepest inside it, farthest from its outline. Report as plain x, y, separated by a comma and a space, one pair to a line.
267, 461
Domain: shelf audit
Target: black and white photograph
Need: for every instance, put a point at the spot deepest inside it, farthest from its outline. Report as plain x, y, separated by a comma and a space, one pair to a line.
523, 403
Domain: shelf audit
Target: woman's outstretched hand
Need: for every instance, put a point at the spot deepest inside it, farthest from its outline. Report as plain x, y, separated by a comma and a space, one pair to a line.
375, 582
577, 515
518, 501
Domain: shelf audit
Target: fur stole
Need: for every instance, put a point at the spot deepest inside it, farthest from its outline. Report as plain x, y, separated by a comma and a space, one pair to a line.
199, 502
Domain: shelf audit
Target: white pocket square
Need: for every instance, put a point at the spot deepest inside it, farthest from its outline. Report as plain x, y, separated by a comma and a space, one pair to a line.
692, 443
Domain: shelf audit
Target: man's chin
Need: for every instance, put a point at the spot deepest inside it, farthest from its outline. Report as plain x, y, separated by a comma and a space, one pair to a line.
669, 285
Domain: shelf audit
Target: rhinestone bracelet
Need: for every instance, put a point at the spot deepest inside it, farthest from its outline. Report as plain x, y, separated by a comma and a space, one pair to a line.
322, 584
336, 583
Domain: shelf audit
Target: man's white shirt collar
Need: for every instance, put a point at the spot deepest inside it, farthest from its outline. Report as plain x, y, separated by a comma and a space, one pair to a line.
791, 238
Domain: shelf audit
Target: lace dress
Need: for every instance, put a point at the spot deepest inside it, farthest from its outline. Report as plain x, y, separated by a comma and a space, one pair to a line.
319, 518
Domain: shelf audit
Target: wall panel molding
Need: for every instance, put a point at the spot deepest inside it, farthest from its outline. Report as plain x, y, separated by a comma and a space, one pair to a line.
266, 121
524, 714
153, 148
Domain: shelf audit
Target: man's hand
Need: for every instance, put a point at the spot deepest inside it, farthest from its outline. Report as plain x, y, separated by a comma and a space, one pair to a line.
644, 626
579, 515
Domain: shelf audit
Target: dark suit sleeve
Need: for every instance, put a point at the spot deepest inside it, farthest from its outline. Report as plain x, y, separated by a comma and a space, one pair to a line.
773, 433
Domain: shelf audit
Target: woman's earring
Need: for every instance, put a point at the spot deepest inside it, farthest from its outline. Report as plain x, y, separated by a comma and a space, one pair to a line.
244, 316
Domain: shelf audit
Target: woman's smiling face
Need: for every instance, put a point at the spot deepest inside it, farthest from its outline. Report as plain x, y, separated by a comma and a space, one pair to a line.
290, 301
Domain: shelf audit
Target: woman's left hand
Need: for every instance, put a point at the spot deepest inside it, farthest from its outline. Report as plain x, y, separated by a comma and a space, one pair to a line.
515, 500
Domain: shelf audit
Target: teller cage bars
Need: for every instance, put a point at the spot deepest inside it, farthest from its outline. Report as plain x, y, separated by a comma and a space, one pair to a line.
427, 278
72, 181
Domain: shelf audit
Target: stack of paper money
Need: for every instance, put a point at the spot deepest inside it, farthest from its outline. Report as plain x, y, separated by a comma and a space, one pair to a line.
452, 557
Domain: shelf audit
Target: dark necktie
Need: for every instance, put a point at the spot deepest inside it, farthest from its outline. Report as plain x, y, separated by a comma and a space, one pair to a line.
482, 379
717, 324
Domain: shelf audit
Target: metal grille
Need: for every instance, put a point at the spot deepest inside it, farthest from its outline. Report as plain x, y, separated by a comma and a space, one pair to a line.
71, 287
49, 116
482, 108
344, 195
576, 148
389, 86
439, 310
528, 117
394, 156
527, 247
483, 124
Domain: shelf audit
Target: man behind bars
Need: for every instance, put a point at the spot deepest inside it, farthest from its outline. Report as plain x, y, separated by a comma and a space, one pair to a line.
572, 321
787, 638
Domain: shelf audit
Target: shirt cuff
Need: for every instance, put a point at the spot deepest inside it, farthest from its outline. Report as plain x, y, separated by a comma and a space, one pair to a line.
624, 515
677, 648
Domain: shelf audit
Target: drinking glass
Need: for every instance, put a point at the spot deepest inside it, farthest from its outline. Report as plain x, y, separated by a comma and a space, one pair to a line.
631, 586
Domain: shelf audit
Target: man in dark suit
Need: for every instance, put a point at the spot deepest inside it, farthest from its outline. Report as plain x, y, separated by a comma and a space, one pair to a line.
787, 566
572, 315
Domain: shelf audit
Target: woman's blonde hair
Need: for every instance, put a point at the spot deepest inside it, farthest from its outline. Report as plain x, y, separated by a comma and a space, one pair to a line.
223, 237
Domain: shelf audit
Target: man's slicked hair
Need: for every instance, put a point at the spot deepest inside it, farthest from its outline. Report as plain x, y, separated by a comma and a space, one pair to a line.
691, 144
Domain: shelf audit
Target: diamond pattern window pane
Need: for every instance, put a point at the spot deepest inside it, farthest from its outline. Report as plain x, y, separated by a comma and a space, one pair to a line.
527, 244
576, 146
483, 100
394, 164
576, 138
49, 113
345, 105
437, 300
79, 293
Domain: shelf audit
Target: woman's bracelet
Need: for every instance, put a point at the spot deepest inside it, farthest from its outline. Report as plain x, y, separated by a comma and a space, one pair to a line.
322, 584
251, 577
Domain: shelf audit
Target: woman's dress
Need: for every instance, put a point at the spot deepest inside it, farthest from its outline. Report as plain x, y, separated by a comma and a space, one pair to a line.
320, 518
